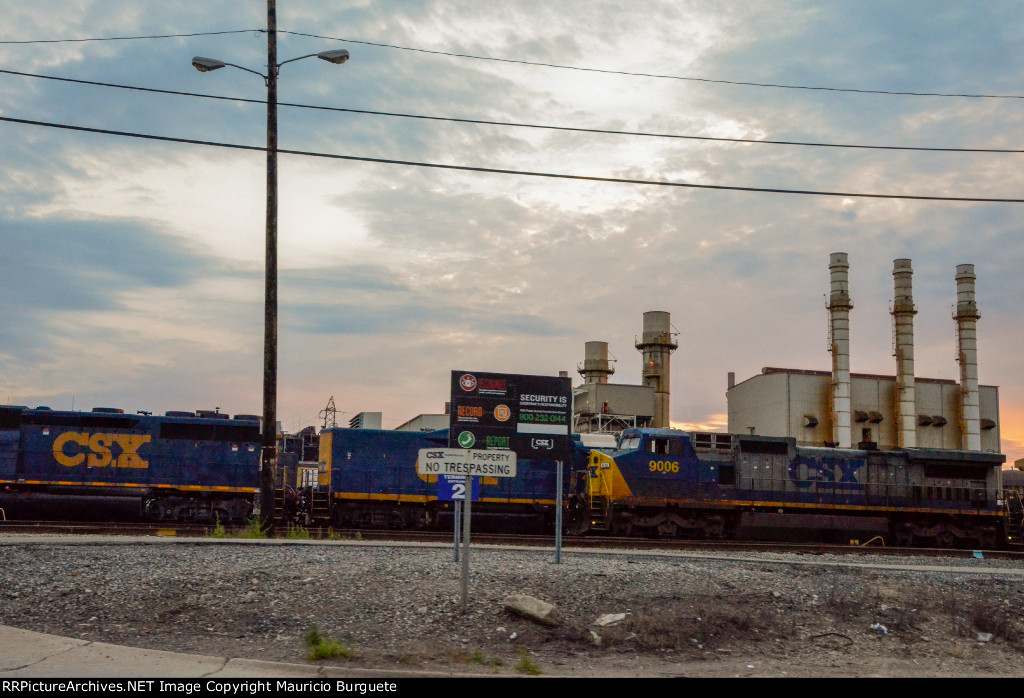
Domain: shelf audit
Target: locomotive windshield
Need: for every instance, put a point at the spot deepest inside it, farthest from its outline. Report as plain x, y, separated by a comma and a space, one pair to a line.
631, 443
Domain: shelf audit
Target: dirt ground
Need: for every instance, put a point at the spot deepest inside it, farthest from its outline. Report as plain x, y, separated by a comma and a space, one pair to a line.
633, 614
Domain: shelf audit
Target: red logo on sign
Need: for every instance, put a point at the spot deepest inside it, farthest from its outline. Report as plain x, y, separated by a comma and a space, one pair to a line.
468, 383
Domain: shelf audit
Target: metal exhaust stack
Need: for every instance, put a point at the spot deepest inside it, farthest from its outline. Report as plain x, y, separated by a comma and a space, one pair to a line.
967, 354
903, 312
839, 306
595, 367
657, 345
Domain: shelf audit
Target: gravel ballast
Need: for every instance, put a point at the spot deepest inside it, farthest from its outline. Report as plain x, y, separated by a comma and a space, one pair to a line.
399, 607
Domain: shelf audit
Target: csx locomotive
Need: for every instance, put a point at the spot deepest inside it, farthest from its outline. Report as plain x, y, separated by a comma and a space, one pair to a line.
651, 482
106, 464
669, 483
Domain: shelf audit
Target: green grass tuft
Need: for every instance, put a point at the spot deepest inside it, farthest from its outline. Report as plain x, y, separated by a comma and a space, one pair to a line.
218, 531
254, 529
323, 647
526, 664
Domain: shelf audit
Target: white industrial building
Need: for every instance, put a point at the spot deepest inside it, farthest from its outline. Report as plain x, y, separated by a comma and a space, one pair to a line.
791, 402
901, 411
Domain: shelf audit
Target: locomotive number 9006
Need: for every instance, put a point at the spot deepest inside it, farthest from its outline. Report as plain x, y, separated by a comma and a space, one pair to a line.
664, 466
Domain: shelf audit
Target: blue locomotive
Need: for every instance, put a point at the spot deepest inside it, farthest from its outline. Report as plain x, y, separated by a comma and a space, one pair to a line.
105, 464
672, 483
669, 483
372, 479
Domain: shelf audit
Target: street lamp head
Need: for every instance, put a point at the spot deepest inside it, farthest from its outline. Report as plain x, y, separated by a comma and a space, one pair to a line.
205, 65
337, 56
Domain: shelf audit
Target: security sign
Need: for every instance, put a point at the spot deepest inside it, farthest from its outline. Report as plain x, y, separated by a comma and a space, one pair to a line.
530, 415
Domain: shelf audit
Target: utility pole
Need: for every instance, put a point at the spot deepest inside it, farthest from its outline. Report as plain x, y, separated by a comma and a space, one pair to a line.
268, 460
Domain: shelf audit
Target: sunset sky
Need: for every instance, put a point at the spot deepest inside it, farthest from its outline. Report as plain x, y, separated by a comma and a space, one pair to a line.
132, 269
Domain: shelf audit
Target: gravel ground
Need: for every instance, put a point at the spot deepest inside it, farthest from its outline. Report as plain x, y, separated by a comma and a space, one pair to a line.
399, 606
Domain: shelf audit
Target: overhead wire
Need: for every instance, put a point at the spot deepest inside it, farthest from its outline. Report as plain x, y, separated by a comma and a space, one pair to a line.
606, 71
485, 122
522, 173
659, 76
130, 38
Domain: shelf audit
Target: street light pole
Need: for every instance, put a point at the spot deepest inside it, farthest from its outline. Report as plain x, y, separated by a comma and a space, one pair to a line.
268, 451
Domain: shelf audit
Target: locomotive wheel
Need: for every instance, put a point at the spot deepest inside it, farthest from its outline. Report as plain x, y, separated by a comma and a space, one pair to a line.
714, 528
667, 529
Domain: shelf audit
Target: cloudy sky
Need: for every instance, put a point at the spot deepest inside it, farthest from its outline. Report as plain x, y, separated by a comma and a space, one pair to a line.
132, 270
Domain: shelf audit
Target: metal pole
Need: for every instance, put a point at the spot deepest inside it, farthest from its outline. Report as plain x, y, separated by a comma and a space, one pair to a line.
466, 515
558, 517
268, 461
458, 513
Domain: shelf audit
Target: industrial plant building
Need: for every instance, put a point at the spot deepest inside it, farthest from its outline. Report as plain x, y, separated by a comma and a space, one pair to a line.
870, 411
791, 402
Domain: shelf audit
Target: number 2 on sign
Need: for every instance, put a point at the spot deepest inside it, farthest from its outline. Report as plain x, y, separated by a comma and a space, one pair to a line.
459, 490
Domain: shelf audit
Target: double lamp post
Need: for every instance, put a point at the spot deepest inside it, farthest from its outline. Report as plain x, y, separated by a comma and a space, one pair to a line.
268, 455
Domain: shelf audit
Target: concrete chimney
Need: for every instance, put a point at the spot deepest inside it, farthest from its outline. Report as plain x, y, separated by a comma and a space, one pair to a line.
967, 354
657, 345
839, 306
903, 312
595, 367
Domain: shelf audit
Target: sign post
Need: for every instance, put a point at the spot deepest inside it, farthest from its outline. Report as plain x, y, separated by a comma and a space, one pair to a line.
467, 463
558, 518
453, 488
519, 415
455, 528
465, 550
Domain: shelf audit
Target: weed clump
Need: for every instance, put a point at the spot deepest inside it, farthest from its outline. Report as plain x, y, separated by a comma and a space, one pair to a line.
526, 664
323, 647
254, 529
218, 531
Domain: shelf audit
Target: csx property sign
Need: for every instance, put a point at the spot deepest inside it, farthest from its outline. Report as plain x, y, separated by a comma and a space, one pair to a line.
458, 461
502, 411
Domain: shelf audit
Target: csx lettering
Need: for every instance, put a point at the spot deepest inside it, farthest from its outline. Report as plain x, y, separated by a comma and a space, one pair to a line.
664, 466
98, 446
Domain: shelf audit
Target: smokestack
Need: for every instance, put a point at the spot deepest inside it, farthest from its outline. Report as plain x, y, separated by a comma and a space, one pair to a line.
657, 345
595, 367
903, 312
839, 306
967, 354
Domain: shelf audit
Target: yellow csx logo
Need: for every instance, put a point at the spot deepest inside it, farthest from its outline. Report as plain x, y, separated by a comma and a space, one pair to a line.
99, 445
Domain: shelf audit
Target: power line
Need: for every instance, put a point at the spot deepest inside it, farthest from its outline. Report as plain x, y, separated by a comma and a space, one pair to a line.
130, 38
657, 75
484, 122
521, 173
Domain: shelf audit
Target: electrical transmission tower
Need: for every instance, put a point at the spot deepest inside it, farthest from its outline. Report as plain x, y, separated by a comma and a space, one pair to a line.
329, 414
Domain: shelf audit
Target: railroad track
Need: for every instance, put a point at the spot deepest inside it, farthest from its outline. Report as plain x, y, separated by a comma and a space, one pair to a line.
484, 538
